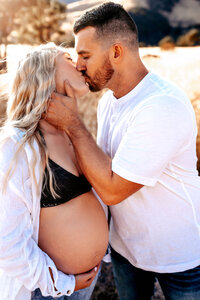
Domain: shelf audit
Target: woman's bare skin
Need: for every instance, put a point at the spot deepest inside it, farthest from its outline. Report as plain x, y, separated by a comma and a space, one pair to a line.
74, 234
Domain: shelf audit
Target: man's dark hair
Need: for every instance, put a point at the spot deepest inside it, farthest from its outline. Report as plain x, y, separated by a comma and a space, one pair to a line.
111, 22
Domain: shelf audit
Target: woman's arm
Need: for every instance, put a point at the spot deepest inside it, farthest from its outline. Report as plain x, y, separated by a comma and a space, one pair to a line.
20, 256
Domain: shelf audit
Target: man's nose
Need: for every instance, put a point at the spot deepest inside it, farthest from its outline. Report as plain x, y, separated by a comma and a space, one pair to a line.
80, 65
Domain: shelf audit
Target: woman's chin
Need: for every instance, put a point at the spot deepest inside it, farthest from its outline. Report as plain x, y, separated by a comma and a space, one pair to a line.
82, 92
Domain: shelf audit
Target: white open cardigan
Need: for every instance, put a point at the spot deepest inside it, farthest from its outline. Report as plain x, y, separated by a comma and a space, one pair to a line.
23, 265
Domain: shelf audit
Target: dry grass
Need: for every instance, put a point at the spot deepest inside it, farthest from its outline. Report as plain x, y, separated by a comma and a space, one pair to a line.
181, 65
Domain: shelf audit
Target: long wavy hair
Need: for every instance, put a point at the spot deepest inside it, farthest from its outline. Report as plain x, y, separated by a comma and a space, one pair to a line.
30, 91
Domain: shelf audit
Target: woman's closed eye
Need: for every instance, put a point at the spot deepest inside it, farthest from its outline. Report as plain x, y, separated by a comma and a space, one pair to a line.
68, 57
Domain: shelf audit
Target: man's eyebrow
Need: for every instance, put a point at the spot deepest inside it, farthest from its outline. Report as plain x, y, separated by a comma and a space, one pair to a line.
83, 52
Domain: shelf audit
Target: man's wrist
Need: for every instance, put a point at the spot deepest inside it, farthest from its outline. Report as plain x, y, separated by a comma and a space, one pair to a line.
75, 129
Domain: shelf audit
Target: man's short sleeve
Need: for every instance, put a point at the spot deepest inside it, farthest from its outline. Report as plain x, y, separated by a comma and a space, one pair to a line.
157, 132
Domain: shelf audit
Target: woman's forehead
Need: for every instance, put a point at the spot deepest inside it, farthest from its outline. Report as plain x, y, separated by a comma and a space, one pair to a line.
69, 52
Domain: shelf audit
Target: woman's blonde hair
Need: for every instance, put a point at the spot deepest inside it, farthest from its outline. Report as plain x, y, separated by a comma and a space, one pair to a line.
32, 85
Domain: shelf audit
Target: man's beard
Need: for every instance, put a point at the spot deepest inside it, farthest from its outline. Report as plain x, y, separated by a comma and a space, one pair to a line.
101, 77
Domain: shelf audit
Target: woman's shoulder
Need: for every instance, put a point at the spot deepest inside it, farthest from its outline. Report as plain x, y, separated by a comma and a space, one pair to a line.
9, 146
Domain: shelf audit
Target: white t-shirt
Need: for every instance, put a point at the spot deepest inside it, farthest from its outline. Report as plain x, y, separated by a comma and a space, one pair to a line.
150, 134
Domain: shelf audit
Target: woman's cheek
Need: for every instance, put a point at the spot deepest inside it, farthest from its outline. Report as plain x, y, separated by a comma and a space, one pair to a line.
78, 85
82, 91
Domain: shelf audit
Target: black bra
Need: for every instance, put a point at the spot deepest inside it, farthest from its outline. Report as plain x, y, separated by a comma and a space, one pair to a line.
68, 186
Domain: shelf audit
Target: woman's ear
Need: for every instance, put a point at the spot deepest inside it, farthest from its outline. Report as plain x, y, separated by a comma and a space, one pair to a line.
117, 52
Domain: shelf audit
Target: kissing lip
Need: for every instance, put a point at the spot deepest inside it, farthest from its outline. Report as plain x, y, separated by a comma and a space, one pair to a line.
86, 78
85, 75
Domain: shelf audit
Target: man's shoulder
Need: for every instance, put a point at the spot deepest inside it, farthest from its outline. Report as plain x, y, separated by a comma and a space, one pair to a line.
163, 86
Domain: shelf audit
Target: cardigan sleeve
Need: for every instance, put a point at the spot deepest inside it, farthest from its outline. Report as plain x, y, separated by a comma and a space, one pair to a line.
20, 256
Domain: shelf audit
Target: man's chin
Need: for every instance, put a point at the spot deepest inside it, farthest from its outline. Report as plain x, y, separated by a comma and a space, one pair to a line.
94, 89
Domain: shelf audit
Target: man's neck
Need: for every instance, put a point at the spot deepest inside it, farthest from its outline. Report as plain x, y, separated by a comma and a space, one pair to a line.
128, 75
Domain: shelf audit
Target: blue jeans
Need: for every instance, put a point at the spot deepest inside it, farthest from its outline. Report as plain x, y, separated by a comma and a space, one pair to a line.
137, 284
83, 294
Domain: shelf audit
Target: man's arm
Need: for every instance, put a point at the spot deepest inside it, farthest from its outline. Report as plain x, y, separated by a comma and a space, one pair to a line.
95, 164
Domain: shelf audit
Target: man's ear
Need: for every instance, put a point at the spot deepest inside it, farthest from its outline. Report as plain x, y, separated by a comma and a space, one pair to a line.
117, 52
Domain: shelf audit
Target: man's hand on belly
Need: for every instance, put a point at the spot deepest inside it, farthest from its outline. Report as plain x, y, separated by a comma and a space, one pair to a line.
84, 280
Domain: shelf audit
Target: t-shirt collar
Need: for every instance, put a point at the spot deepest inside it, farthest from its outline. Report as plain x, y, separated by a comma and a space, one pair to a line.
133, 92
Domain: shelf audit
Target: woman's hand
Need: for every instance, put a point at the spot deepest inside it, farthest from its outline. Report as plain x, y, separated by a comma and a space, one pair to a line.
84, 280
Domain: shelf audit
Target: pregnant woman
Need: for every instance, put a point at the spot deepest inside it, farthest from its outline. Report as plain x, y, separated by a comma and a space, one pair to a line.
52, 226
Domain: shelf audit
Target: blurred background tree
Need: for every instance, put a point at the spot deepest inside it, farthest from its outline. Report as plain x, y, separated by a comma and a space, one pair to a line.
29, 21
8, 11
35, 24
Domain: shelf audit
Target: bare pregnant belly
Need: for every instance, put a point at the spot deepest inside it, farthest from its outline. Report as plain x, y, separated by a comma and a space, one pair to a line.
74, 234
